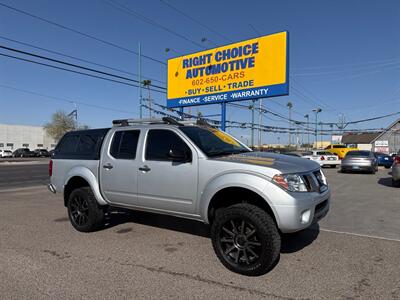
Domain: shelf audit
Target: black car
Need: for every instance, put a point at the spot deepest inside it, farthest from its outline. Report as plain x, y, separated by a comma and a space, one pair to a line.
41, 153
23, 152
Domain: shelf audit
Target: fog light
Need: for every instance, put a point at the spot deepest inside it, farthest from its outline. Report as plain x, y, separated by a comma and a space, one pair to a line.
305, 216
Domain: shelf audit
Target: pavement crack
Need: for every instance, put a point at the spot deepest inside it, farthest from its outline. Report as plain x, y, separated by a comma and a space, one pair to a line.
208, 281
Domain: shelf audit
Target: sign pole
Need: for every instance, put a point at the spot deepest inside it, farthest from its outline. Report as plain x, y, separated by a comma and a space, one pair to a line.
252, 124
181, 112
223, 116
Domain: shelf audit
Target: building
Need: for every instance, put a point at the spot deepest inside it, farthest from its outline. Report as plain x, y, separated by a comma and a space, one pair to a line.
387, 141
24, 136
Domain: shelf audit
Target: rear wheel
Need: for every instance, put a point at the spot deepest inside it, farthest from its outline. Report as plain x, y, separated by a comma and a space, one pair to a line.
83, 210
395, 183
333, 166
245, 239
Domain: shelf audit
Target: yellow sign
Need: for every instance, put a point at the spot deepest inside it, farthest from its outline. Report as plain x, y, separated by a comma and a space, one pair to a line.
251, 69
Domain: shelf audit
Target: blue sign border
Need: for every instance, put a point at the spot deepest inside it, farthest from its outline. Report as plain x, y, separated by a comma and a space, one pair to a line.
272, 90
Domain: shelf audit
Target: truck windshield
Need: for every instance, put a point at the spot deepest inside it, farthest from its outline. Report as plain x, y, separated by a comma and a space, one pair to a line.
213, 142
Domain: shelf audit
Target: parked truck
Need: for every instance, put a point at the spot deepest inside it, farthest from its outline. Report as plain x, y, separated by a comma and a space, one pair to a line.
192, 171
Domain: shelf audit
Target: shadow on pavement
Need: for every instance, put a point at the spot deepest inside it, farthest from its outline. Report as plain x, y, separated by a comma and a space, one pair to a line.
387, 181
293, 242
290, 242
160, 221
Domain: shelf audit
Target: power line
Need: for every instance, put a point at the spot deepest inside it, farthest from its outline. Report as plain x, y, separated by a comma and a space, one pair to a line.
74, 65
73, 71
76, 58
149, 21
196, 21
80, 33
65, 100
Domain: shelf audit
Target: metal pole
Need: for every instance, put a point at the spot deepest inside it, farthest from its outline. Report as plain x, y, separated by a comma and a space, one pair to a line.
259, 125
290, 125
140, 82
316, 129
320, 136
252, 124
223, 116
181, 112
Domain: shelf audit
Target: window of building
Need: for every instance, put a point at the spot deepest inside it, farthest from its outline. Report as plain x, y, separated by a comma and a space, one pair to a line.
124, 144
40, 145
160, 142
10, 145
25, 145
1, 145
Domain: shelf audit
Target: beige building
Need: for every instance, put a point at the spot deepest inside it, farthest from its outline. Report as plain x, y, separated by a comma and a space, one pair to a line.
24, 136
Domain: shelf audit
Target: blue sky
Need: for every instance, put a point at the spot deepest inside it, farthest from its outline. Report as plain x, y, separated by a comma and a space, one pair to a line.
344, 56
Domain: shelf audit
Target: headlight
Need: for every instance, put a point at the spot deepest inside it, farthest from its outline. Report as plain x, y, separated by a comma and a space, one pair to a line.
290, 182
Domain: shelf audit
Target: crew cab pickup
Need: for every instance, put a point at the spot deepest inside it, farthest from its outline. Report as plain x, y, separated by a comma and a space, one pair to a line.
193, 171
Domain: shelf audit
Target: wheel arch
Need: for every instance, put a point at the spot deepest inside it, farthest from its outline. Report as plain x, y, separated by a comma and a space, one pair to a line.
80, 177
232, 189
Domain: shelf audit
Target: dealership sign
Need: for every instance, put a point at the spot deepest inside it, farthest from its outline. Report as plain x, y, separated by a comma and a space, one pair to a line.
251, 69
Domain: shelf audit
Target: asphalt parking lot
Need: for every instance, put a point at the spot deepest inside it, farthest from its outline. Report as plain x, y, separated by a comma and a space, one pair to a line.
353, 253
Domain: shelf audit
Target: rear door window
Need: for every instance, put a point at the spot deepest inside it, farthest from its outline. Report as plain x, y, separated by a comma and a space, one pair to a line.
124, 144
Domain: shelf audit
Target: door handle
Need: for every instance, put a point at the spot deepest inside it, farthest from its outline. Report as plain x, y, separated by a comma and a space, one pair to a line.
108, 166
145, 168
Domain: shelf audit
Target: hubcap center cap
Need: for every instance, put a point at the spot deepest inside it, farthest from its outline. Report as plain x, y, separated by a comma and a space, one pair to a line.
241, 241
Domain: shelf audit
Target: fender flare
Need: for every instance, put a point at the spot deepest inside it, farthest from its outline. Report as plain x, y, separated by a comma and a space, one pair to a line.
87, 174
254, 182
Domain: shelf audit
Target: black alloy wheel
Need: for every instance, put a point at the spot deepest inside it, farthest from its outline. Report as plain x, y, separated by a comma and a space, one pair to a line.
84, 212
79, 210
245, 239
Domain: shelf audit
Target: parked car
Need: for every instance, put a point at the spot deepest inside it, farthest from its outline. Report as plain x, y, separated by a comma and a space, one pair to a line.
360, 160
51, 152
396, 171
384, 159
192, 171
324, 158
41, 153
339, 150
23, 152
5, 153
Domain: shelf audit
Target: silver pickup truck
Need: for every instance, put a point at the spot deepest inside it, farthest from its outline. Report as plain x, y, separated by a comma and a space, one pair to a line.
191, 171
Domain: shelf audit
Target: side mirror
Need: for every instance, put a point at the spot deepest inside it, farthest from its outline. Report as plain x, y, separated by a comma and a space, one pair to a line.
178, 155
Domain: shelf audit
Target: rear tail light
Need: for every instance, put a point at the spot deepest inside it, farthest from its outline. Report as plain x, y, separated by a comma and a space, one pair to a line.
397, 159
322, 158
51, 168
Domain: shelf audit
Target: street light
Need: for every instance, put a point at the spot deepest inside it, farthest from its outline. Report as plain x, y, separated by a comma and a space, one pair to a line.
290, 105
317, 111
308, 131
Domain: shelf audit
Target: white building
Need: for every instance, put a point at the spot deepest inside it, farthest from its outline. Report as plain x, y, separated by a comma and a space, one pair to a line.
24, 136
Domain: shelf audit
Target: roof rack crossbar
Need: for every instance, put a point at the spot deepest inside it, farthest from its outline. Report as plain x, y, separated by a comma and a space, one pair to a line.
127, 122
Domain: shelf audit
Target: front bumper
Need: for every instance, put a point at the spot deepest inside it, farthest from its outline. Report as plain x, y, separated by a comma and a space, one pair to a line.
310, 208
396, 172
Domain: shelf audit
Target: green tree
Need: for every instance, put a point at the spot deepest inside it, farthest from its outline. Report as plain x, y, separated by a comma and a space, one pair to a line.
61, 123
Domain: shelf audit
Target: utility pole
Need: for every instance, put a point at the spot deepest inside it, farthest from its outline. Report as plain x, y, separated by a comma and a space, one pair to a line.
320, 134
147, 83
252, 124
308, 130
259, 125
290, 105
317, 111
140, 81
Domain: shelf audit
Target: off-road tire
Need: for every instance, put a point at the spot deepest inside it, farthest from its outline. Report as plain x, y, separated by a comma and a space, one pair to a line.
266, 236
82, 202
395, 183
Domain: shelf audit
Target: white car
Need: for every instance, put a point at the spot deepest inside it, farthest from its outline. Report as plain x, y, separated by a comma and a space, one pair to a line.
5, 153
324, 158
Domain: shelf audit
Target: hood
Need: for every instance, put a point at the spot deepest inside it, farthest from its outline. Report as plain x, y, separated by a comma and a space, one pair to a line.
280, 162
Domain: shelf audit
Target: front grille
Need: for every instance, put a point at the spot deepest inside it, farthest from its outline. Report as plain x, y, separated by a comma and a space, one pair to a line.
314, 182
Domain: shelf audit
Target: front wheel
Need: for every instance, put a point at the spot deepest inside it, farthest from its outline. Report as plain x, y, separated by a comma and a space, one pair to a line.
245, 239
83, 210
